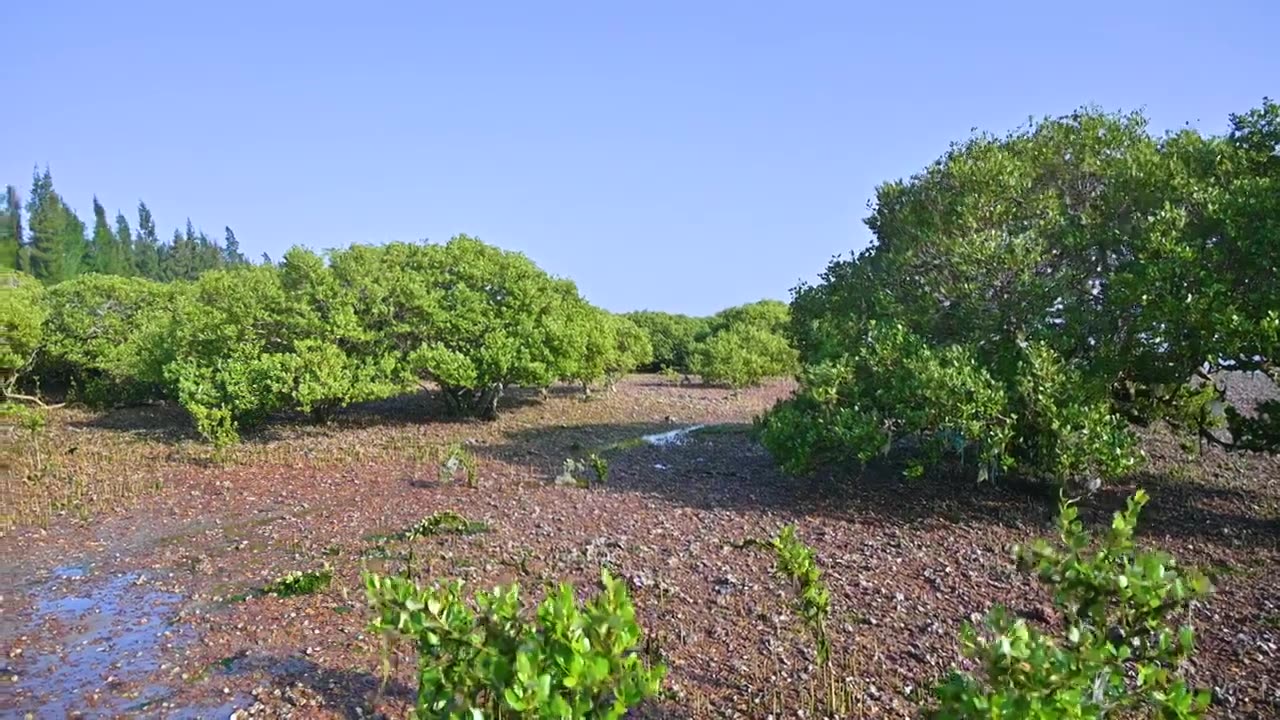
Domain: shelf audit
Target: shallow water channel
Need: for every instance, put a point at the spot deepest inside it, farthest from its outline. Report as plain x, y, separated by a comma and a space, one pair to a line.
91, 646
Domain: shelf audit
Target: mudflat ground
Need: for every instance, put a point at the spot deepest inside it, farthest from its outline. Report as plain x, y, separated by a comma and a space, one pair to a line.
136, 592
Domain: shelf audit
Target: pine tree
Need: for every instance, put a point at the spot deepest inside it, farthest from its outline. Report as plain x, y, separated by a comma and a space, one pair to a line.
146, 248
211, 255
124, 241
72, 243
104, 254
231, 249
56, 248
181, 257
11, 230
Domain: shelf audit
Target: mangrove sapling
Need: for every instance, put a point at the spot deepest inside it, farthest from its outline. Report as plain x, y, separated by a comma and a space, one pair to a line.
601, 468
794, 561
445, 522
491, 658
299, 583
1126, 634
458, 459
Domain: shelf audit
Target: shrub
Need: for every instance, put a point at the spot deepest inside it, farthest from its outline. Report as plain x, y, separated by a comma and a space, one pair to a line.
1119, 653
22, 316
231, 344
445, 523
896, 386
671, 336
600, 466
609, 346
468, 316
109, 337
255, 340
631, 349
745, 345
490, 659
742, 356
323, 377
893, 386
773, 316
1080, 266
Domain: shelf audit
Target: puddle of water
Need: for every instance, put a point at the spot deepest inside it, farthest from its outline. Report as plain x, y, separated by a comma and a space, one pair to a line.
70, 572
671, 437
110, 637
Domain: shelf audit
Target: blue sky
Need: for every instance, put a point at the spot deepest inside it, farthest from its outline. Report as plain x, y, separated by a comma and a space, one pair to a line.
681, 156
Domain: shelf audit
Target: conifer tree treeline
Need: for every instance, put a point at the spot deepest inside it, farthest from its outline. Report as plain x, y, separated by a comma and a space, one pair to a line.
52, 244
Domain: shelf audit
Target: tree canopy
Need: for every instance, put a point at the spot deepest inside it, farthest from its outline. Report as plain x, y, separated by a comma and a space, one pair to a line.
1037, 284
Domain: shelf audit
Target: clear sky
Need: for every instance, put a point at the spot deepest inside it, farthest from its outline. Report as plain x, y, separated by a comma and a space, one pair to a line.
678, 155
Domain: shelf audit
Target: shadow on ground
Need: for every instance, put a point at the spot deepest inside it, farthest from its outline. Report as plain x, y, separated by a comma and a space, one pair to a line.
351, 692
724, 468
168, 423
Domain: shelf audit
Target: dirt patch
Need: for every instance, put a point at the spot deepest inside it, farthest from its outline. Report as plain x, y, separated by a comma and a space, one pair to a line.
907, 562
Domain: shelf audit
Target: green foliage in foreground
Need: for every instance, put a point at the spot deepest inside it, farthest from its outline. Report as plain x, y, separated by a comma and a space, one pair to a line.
489, 658
1122, 648
22, 314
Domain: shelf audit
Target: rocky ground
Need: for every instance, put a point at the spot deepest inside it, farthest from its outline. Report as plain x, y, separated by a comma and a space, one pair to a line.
147, 605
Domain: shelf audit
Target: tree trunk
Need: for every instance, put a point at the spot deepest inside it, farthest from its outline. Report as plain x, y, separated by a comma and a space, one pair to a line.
476, 402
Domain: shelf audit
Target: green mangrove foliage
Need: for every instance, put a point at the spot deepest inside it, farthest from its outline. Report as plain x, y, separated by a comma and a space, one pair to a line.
236, 345
794, 562
612, 346
745, 345
299, 582
490, 658
1126, 636
1025, 292
672, 337
109, 338
22, 315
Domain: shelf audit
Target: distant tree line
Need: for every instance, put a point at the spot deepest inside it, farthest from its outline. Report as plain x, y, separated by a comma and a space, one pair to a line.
52, 244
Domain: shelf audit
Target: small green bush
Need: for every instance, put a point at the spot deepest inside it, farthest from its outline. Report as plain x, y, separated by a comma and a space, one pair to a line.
299, 582
1122, 647
600, 466
446, 522
488, 658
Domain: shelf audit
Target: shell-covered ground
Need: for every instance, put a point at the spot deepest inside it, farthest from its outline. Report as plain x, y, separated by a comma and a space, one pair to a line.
138, 592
